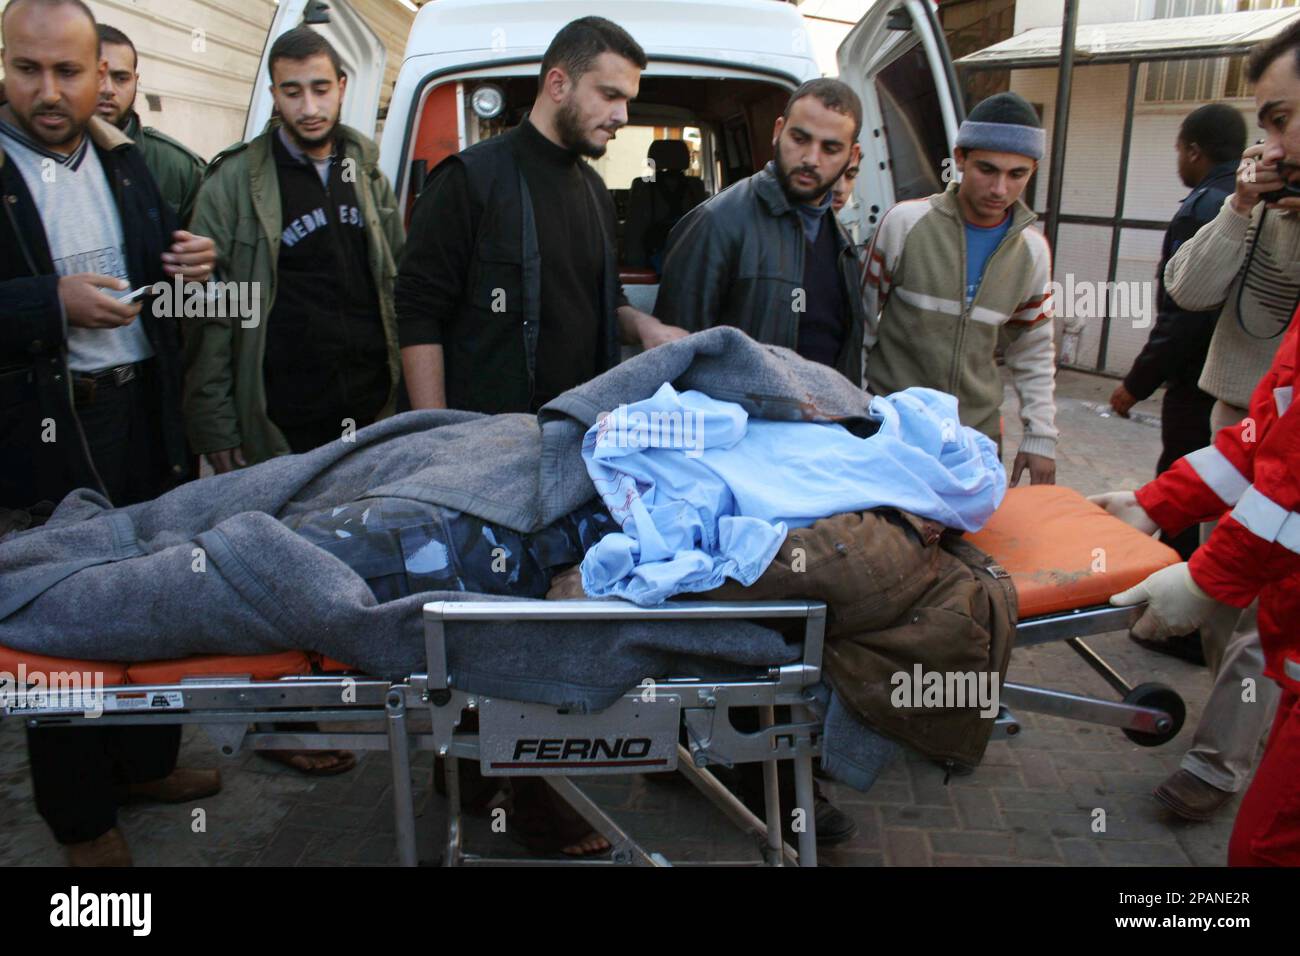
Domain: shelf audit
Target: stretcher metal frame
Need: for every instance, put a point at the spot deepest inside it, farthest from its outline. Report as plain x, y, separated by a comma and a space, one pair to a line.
425, 712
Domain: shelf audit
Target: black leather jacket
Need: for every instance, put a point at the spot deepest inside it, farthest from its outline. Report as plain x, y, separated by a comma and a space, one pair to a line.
738, 259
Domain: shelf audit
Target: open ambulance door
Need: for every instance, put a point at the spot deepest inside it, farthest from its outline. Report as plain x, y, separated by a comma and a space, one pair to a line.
897, 61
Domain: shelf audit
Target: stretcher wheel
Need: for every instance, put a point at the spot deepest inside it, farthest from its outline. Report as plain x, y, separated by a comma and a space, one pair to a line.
1159, 697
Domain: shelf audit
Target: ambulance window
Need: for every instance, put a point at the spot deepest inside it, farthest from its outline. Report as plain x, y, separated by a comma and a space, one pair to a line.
914, 132
649, 197
625, 158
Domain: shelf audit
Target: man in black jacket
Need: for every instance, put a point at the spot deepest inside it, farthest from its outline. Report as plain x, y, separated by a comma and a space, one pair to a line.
89, 384
1210, 142
756, 255
59, 318
508, 292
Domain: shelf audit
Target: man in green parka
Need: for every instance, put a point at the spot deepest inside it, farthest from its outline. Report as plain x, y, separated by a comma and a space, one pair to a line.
308, 232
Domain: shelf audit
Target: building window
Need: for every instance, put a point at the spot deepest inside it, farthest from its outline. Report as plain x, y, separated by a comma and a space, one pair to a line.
1186, 81
1195, 81
1191, 8
1200, 81
1164, 9
1264, 4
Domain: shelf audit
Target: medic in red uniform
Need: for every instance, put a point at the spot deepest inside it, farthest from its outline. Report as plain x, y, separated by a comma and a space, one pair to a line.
1249, 479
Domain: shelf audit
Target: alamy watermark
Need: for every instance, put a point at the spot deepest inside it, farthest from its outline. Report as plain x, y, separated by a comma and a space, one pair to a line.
1085, 299
57, 690
75, 908
920, 689
212, 299
678, 428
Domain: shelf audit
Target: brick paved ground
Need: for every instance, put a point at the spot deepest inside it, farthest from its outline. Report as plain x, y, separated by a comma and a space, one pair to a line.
1031, 802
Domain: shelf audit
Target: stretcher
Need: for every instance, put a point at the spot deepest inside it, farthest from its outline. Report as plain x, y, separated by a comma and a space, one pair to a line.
1065, 556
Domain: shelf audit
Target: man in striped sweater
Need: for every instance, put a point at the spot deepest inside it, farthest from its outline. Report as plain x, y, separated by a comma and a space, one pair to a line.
953, 276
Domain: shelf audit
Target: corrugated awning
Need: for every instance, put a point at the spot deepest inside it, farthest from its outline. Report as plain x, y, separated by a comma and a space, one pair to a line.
1173, 38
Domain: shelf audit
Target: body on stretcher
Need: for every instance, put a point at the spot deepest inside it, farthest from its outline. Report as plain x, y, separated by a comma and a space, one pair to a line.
1065, 556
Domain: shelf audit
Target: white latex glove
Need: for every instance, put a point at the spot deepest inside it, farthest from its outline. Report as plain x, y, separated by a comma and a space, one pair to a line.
1124, 506
1175, 603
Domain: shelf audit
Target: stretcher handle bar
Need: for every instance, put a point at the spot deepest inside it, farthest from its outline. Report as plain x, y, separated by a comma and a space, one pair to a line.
1078, 623
617, 610
437, 613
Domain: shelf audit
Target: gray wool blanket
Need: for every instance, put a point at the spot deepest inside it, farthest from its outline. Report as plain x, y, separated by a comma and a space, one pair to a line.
210, 568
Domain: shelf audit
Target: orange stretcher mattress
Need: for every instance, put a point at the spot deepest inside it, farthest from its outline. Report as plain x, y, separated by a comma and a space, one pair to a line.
1062, 552
258, 666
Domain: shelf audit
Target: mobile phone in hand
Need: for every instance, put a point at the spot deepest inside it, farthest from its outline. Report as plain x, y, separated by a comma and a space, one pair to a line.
126, 298
1287, 191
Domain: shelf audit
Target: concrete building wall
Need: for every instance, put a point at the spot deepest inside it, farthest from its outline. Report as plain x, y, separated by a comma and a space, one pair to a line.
828, 22
1048, 13
198, 59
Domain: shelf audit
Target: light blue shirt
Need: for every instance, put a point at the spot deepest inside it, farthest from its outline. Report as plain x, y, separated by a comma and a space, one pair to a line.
703, 494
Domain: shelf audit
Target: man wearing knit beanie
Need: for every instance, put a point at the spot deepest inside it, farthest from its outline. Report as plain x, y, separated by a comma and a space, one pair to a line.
952, 277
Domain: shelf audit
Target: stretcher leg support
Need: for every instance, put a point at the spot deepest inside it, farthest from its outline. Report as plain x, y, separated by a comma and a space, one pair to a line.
803, 794
403, 798
452, 855
733, 809
772, 797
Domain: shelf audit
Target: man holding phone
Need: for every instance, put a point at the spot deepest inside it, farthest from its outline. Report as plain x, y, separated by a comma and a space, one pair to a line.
89, 384
1247, 261
89, 392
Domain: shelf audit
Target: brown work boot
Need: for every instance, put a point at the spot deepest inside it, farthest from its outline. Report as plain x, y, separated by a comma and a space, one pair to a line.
180, 786
1191, 797
107, 849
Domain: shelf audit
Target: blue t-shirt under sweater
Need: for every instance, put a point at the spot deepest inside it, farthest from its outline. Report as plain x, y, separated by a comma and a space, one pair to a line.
980, 243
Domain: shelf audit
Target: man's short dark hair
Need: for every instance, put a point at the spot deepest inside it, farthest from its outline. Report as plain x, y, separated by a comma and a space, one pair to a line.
1218, 129
78, 4
109, 34
302, 43
1263, 55
575, 48
834, 95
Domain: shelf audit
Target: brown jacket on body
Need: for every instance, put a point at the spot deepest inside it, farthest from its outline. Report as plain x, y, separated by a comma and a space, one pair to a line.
898, 594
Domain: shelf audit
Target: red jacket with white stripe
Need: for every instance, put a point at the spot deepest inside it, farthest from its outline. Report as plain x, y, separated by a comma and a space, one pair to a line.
1251, 472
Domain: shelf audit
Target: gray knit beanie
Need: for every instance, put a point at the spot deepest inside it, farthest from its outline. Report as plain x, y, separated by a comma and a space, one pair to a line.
1003, 123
